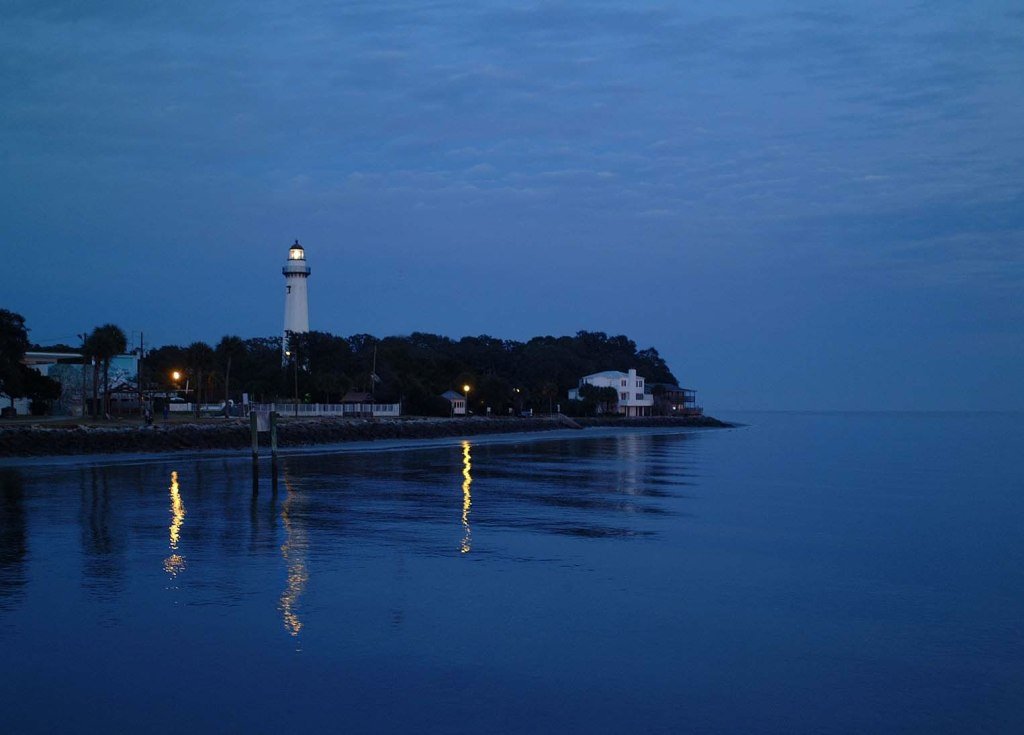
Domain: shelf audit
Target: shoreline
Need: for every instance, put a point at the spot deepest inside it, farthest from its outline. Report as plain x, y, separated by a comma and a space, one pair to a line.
40, 440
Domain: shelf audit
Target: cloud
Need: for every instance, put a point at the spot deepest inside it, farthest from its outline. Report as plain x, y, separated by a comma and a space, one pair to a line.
879, 136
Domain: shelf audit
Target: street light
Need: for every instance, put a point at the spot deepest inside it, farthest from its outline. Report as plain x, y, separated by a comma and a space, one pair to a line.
466, 389
176, 379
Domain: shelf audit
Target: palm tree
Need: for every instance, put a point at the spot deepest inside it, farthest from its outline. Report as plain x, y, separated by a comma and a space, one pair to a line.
229, 348
200, 359
102, 345
90, 350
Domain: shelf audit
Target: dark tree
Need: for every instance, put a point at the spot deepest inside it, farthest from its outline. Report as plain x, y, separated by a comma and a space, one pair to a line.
103, 344
415, 369
603, 399
163, 362
260, 370
200, 359
230, 349
13, 344
41, 390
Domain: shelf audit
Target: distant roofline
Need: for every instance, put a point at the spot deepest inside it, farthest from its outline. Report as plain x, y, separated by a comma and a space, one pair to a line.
45, 354
40, 356
610, 374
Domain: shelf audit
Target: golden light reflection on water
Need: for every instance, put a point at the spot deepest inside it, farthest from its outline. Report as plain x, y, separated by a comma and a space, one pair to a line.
175, 563
467, 498
631, 449
292, 552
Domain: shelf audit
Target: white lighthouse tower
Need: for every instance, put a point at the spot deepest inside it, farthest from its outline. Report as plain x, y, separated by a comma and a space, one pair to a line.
296, 310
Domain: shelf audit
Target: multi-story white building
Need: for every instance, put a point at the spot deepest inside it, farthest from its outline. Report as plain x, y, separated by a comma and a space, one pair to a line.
633, 398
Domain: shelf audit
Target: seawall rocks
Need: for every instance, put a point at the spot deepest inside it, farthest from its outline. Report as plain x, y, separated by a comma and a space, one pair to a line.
42, 440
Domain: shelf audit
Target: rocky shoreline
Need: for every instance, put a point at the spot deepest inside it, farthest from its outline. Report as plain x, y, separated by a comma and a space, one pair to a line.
40, 440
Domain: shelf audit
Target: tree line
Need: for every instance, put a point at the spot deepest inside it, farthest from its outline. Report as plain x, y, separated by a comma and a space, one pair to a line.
414, 369
320, 367
17, 380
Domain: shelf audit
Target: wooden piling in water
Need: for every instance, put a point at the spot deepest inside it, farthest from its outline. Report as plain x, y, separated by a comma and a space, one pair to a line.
273, 435
255, 435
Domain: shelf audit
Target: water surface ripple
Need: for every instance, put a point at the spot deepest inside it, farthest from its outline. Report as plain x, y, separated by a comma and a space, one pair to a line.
809, 573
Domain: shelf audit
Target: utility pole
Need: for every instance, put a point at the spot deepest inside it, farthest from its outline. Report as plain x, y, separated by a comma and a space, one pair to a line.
82, 336
142, 391
374, 378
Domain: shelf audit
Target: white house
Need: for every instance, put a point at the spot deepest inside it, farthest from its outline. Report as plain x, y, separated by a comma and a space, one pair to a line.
458, 402
633, 398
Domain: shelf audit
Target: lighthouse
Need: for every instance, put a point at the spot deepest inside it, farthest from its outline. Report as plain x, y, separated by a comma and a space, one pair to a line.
296, 310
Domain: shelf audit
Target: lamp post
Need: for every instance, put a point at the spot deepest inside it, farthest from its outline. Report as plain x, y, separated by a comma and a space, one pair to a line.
465, 388
176, 381
83, 336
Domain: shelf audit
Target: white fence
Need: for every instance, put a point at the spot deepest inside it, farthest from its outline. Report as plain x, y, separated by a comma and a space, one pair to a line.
191, 407
338, 410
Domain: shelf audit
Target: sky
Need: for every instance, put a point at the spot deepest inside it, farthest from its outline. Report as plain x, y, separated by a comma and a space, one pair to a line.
801, 205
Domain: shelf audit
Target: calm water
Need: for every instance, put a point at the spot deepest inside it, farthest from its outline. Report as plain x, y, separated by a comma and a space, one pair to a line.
810, 573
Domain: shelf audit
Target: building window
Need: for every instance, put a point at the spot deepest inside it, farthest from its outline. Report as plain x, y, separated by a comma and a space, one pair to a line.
623, 383
639, 396
623, 396
639, 384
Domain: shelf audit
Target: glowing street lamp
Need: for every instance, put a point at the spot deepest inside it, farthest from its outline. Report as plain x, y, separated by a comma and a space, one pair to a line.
465, 389
176, 378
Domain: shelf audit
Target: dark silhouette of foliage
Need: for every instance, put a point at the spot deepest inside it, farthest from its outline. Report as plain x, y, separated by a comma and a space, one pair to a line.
102, 345
416, 368
41, 390
161, 364
13, 345
200, 359
604, 399
229, 349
